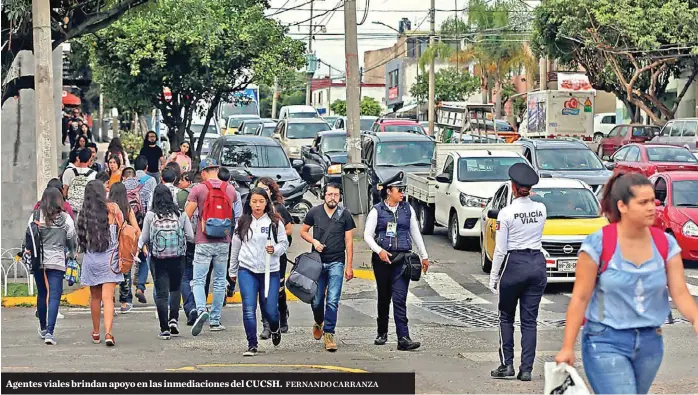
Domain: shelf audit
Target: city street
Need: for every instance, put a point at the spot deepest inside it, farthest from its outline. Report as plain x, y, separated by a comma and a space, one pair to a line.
451, 312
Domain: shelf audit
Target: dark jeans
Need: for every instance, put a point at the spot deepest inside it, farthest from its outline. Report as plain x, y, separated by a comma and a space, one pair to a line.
168, 278
391, 285
252, 287
48, 308
187, 277
125, 294
142, 275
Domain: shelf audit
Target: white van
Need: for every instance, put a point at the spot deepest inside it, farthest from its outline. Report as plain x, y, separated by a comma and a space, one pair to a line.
298, 112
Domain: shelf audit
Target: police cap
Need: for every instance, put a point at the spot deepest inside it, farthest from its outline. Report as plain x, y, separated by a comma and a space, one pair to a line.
398, 180
523, 175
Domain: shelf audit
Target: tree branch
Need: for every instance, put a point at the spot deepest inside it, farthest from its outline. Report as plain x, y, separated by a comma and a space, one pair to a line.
685, 89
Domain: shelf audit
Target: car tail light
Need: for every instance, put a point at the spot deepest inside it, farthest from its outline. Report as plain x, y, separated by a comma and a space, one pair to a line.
652, 169
587, 138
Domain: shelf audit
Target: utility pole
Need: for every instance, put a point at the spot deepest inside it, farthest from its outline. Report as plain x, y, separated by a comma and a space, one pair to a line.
351, 51
45, 126
310, 51
432, 42
274, 98
329, 90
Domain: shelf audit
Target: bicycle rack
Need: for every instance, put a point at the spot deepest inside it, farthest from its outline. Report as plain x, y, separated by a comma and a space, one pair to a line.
9, 254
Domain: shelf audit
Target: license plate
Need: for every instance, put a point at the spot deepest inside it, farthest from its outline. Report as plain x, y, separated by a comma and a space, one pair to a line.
566, 265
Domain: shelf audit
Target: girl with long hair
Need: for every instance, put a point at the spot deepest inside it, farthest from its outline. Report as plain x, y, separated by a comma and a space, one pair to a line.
117, 194
80, 142
57, 232
182, 157
87, 132
623, 293
115, 148
260, 235
166, 230
97, 237
272, 189
114, 170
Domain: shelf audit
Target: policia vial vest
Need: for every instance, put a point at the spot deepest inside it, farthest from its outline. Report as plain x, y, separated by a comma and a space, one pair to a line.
393, 229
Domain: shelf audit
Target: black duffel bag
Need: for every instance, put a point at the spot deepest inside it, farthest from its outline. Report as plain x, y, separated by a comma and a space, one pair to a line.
302, 281
412, 268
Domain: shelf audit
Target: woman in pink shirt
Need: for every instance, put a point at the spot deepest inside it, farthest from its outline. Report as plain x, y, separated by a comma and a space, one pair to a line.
182, 158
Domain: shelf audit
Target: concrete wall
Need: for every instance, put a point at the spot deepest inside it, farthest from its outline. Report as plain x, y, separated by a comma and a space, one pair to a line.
18, 177
378, 58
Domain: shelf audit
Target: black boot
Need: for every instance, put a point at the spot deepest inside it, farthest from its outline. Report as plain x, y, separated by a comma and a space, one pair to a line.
266, 332
381, 339
524, 376
503, 371
283, 312
406, 344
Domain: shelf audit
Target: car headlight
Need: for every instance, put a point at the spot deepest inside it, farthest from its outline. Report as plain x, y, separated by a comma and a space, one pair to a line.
334, 169
472, 201
690, 229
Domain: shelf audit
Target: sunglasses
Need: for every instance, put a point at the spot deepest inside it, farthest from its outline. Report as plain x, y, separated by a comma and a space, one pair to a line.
400, 189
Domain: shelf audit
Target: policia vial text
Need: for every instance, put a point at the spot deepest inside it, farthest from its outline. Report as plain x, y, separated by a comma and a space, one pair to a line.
529, 218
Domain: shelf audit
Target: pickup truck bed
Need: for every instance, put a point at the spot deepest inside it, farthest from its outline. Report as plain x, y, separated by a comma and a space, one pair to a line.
421, 187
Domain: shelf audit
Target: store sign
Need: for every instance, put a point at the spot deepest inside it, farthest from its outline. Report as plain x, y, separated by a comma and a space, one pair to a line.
573, 82
392, 93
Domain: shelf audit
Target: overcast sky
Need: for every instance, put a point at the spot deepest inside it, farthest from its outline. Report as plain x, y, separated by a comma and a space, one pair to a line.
329, 47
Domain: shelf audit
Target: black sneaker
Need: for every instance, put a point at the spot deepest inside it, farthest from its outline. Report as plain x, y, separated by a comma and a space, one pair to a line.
174, 327
503, 371
199, 324
524, 376
140, 295
276, 338
381, 339
251, 352
164, 335
191, 319
406, 344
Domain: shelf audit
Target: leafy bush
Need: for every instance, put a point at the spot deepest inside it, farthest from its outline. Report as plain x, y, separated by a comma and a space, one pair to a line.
132, 143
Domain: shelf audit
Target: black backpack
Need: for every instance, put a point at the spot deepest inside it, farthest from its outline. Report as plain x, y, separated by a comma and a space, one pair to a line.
33, 243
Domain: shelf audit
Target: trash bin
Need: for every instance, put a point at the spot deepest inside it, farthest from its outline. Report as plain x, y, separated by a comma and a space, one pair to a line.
355, 187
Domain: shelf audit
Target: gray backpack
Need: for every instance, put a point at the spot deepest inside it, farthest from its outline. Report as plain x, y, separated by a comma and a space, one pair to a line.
76, 189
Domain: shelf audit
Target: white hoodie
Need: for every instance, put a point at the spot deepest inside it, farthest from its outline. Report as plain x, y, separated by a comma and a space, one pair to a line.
251, 254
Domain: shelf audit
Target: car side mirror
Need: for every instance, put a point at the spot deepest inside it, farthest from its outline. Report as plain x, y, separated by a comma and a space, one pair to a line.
492, 214
610, 165
656, 133
297, 164
443, 178
276, 136
658, 203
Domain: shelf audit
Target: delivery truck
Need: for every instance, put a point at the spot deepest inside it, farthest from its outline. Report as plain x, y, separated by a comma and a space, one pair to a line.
554, 113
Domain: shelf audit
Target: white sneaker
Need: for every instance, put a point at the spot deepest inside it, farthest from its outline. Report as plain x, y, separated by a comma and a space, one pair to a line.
60, 316
216, 328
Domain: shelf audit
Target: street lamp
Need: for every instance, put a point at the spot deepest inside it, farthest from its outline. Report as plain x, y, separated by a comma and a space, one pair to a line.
388, 26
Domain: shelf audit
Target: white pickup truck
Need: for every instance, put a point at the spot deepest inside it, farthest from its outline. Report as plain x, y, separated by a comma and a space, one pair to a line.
462, 180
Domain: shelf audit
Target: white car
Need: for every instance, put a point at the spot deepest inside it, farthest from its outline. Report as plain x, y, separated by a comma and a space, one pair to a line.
603, 123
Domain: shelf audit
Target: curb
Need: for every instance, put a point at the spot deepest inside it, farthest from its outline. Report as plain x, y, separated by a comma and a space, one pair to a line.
81, 297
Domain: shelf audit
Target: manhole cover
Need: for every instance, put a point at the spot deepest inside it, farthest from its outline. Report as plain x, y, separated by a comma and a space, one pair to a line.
473, 316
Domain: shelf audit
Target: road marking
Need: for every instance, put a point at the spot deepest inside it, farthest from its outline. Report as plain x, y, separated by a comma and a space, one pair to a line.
268, 365
484, 279
448, 288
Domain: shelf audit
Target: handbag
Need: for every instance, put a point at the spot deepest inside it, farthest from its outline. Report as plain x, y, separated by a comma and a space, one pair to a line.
412, 268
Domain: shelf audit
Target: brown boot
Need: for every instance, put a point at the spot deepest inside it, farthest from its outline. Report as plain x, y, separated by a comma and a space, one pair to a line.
317, 331
330, 344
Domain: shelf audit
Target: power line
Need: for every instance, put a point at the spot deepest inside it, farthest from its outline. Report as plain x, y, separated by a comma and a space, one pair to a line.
282, 10
324, 13
368, 4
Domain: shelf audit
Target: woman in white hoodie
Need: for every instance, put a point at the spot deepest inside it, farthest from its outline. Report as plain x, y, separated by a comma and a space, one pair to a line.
258, 243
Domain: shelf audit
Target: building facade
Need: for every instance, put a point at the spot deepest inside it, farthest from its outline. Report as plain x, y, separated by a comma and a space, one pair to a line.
325, 93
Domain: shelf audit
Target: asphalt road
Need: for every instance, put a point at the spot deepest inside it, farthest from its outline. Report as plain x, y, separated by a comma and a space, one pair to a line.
451, 312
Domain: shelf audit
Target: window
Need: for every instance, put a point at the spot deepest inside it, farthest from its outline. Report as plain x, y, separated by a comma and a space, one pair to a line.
670, 154
404, 153
305, 130
334, 144
485, 168
393, 78
448, 167
614, 131
645, 131
266, 156
567, 203
568, 159
619, 156
319, 97
689, 128
660, 189
503, 198
633, 155
623, 131
684, 193
527, 154
609, 119
676, 129
405, 128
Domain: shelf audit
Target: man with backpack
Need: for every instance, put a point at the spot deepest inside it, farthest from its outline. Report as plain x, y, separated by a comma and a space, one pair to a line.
214, 199
169, 178
75, 180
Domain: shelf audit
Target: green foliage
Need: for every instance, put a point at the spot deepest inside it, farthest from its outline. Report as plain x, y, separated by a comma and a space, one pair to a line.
17, 289
132, 143
450, 84
519, 106
630, 48
454, 26
370, 107
339, 107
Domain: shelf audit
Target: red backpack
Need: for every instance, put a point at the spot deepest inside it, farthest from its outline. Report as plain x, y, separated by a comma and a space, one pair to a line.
217, 213
610, 241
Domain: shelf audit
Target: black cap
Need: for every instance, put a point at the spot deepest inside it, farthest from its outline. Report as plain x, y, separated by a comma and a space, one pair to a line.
523, 175
398, 180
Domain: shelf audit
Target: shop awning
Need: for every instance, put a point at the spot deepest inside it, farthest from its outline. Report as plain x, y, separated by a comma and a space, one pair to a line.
70, 99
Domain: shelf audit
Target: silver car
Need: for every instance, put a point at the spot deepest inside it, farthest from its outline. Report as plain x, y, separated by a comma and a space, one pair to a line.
681, 132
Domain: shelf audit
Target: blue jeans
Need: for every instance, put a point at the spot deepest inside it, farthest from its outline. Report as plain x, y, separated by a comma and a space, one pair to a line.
326, 300
252, 286
204, 254
621, 361
143, 272
48, 309
187, 277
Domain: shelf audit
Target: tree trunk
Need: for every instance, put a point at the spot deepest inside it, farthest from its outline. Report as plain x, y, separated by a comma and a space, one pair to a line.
498, 99
143, 123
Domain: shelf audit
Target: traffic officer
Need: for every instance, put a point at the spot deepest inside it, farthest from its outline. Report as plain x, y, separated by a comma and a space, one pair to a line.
518, 271
391, 229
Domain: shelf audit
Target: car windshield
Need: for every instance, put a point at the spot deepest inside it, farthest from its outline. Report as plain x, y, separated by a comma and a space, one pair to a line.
366, 123
567, 203
196, 129
334, 143
404, 128
248, 108
685, 193
253, 156
268, 131
208, 143
568, 159
486, 168
302, 115
305, 130
670, 154
404, 153
250, 127
644, 131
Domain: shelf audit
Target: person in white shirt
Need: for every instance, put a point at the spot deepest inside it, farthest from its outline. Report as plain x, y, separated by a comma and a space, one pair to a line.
518, 272
258, 243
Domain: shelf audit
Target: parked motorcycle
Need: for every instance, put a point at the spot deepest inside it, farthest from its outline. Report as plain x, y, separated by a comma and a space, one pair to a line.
294, 201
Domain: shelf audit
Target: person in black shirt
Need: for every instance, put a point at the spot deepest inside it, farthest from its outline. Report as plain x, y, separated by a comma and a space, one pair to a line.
272, 189
333, 225
156, 159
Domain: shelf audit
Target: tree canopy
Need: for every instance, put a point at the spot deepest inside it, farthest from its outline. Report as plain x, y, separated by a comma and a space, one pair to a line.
203, 51
630, 48
450, 84
369, 107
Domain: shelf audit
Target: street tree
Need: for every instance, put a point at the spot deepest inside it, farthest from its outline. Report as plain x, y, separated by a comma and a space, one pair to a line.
339, 107
203, 51
451, 84
70, 19
631, 48
370, 107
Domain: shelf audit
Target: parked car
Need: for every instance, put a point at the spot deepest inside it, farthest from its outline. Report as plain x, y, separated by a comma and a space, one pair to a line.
249, 126
234, 122
682, 132
329, 151
213, 132
573, 214
625, 134
293, 133
467, 138
603, 124
300, 111
677, 209
649, 159
330, 119
266, 129
386, 154
365, 123
566, 158
397, 125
